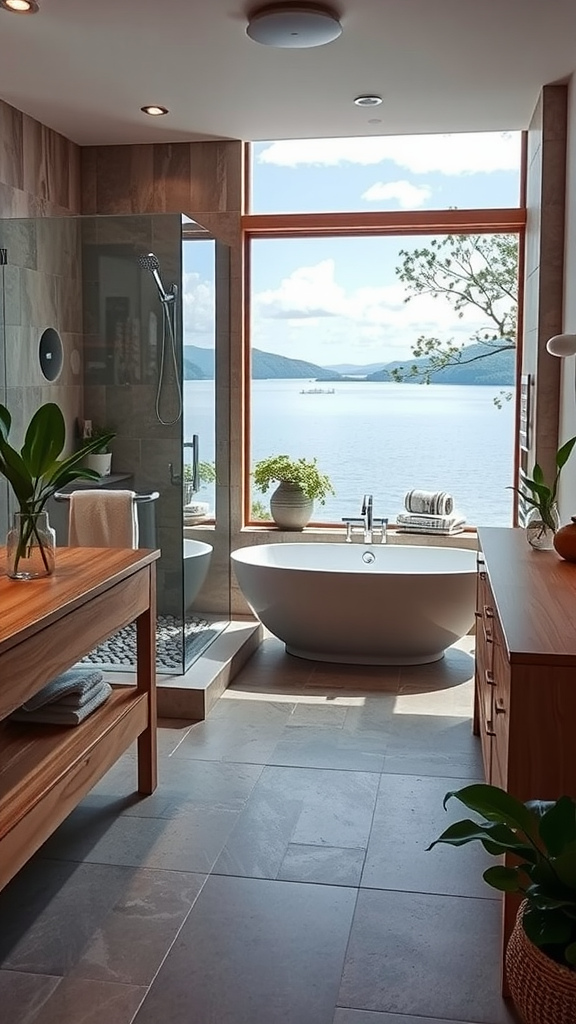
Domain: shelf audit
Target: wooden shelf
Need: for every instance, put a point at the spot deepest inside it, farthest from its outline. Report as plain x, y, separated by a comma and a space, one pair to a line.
45, 627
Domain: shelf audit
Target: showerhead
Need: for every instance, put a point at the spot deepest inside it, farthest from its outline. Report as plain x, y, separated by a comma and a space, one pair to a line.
150, 261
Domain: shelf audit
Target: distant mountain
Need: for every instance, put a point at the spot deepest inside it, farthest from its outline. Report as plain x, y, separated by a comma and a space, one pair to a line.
354, 370
496, 369
267, 365
199, 365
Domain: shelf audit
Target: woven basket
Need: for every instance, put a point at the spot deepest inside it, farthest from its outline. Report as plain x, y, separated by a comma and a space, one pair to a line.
543, 991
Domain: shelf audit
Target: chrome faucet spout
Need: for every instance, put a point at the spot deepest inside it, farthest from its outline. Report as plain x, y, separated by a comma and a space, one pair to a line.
367, 514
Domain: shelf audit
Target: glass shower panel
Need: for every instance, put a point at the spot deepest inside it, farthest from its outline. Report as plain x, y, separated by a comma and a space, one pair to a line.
206, 591
115, 291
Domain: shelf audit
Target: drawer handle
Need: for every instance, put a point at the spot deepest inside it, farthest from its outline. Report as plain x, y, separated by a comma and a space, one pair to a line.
500, 709
482, 575
488, 611
489, 730
488, 635
489, 677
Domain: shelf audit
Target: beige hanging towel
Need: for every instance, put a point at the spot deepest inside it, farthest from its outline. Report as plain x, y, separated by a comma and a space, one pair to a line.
103, 519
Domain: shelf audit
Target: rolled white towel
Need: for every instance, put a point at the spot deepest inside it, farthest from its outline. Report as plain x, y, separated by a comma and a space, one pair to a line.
437, 503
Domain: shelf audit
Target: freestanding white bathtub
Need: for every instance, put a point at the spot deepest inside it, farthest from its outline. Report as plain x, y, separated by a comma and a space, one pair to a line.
197, 557
358, 603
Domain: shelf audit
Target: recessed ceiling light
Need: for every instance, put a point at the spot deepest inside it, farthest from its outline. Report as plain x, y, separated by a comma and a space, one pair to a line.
154, 110
20, 6
368, 101
293, 25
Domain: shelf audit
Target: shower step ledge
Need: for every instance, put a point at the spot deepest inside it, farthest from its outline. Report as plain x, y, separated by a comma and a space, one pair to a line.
192, 695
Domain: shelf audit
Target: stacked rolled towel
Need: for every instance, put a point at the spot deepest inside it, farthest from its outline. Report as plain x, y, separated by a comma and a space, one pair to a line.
436, 503
66, 700
430, 512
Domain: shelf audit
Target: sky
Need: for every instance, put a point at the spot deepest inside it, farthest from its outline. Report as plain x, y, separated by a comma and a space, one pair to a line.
338, 300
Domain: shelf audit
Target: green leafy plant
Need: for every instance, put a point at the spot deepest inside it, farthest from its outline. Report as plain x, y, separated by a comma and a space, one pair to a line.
541, 495
541, 837
302, 472
36, 472
103, 436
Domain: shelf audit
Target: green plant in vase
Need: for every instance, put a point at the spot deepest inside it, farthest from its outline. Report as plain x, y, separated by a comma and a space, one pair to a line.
543, 519
35, 473
300, 482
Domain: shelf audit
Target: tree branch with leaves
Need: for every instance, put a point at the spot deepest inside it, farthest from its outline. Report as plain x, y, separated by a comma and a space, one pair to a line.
468, 271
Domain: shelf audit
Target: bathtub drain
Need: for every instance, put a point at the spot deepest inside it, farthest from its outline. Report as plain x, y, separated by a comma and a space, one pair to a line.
368, 557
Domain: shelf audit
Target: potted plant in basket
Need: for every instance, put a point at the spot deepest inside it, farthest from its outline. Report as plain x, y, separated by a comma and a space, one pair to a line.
35, 473
300, 484
543, 519
540, 837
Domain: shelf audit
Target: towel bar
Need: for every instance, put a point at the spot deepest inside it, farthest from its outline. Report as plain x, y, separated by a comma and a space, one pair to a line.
139, 498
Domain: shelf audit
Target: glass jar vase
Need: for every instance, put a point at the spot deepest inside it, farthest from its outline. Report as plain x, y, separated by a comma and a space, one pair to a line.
30, 546
540, 534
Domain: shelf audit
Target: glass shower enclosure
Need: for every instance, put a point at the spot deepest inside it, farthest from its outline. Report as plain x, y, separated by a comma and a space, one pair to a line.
131, 299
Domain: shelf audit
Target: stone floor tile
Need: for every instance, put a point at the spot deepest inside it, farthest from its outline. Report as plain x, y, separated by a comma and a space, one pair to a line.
408, 816
302, 806
22, 996
326, 865
130, 943
255, 951
429, 956
82, 1001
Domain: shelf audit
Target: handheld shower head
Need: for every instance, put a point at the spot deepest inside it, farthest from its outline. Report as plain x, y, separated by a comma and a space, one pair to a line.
151, 262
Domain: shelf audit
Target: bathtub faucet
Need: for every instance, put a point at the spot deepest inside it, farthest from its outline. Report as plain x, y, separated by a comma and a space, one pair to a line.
368, 517
367, 521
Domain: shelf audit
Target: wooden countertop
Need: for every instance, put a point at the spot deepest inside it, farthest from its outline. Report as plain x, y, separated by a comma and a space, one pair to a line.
535, 596
27, 606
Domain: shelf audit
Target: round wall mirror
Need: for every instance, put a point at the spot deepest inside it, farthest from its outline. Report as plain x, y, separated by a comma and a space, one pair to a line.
51, 354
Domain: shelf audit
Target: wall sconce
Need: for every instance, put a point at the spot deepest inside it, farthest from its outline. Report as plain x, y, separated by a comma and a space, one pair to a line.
562, 345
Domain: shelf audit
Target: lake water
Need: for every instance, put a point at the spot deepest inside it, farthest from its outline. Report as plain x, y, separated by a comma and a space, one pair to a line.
380, 438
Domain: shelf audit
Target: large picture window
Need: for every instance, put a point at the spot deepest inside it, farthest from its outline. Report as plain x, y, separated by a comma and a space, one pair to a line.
389, 357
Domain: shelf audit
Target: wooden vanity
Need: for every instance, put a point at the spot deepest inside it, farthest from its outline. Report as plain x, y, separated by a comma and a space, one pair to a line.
46, 626
525, 675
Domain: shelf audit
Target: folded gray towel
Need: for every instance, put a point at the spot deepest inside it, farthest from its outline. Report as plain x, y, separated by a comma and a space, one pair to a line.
54, 714
73, 683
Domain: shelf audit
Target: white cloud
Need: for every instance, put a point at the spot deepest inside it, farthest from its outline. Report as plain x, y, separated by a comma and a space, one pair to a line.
308, 292
198, 304
408, 197
316, 318
463, 153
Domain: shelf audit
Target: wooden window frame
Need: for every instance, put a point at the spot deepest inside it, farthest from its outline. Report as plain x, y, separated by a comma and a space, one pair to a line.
505, 220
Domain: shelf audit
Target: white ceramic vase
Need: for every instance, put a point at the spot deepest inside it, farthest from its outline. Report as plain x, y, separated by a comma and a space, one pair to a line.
101, 463
290, 508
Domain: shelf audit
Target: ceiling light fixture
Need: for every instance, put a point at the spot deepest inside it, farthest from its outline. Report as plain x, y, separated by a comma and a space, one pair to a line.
20, 6
154, 110
293, 25
368, 101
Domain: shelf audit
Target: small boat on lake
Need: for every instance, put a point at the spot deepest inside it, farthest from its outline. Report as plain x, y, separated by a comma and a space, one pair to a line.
318, 391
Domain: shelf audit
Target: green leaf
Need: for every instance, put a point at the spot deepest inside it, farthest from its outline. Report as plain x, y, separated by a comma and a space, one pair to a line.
14, 469
557, 826
496, 805
497, 838
5, 422
563, 453
546, 927
504, 879
45, 439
